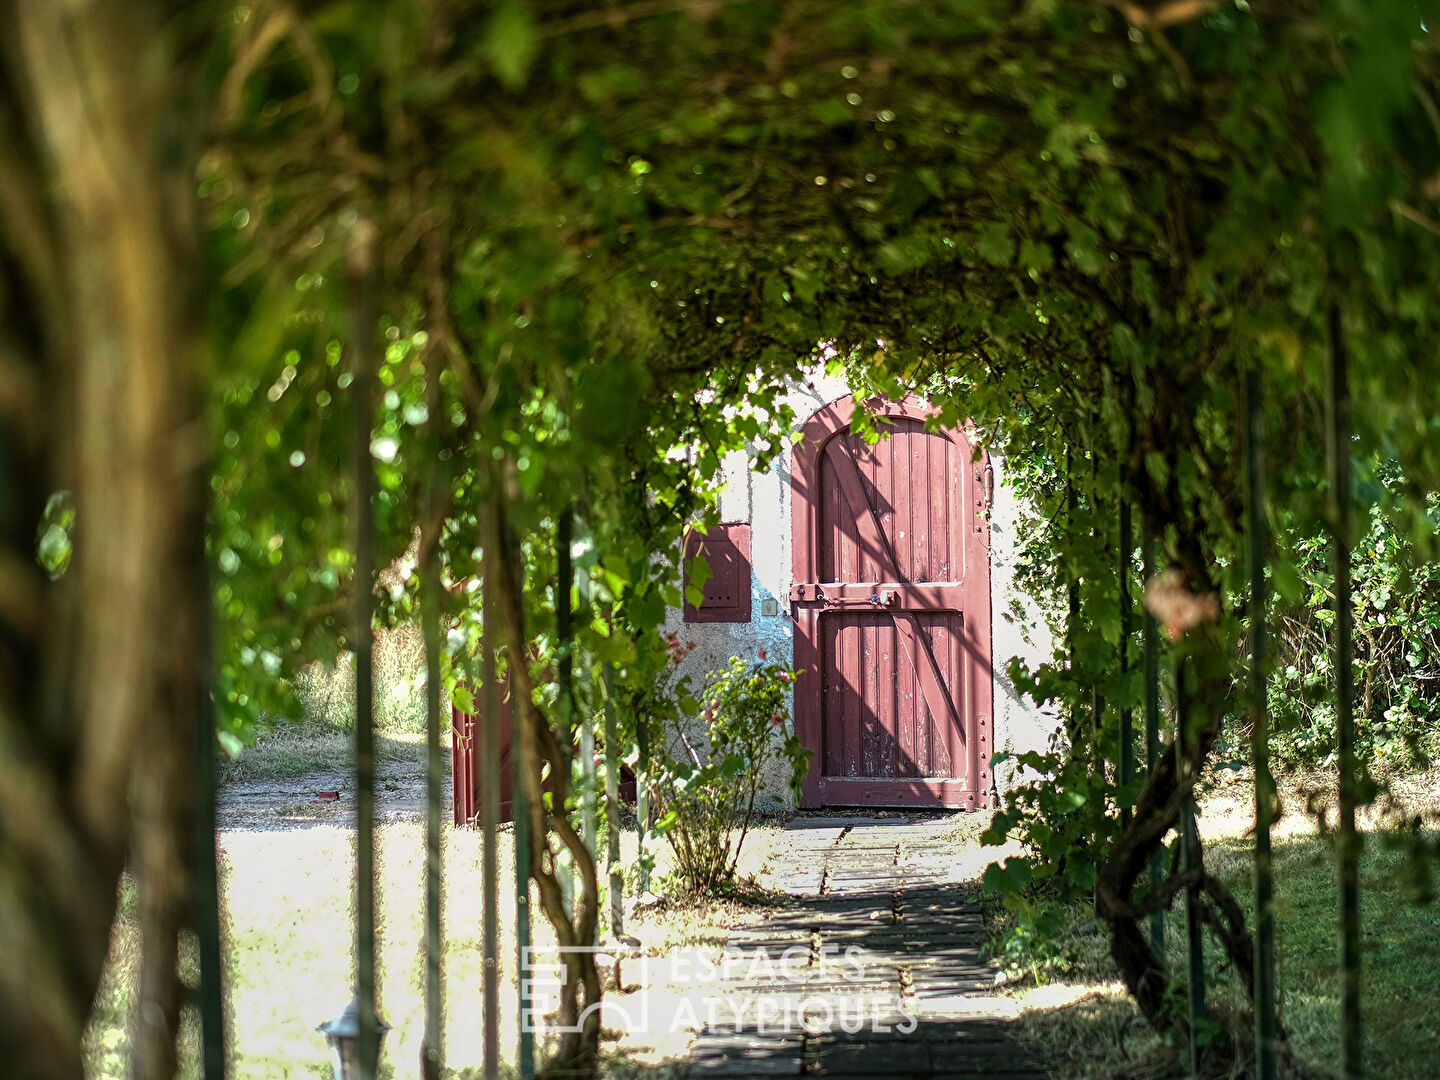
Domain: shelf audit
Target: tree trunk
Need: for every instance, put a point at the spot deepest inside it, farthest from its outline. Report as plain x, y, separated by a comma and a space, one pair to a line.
97, 276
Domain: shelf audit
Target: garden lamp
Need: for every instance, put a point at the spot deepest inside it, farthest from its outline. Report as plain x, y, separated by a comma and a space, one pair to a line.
343, 1035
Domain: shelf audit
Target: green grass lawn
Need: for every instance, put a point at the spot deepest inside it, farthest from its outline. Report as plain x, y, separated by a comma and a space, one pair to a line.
1401, 976
287, 911
1083, 1023
306, 749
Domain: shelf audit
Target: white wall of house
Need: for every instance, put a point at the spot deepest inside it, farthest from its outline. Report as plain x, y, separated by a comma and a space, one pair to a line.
763, 500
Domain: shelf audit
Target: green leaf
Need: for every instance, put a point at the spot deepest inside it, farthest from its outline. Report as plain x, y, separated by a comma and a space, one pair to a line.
231, 743
1286, 580
995, 245
512, 42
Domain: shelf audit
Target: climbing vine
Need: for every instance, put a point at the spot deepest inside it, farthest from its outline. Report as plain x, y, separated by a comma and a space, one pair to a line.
603, 241
1074, 225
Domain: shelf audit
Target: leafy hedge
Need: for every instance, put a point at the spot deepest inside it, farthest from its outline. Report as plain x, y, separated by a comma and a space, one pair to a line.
1397, 649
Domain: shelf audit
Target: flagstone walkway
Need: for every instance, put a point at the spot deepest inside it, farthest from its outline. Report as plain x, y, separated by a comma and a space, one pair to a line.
875, 971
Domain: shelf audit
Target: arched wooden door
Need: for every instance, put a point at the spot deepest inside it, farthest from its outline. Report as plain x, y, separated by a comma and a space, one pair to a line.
891, 602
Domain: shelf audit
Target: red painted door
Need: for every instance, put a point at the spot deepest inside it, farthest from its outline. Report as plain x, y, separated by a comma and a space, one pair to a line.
891, 600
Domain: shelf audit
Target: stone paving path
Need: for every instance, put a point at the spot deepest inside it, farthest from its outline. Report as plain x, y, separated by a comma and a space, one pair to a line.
911, 996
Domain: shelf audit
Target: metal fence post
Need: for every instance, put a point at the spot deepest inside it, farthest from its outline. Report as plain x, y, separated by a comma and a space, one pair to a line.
362, 273
1072, 590
1150, 646
206, 869
589, 781
1255, 543
642, 794
525, 1064
1190, 860
612, 806
489, 736
1127, 730
431, 1052
1337, 401
1097, 700
565, 671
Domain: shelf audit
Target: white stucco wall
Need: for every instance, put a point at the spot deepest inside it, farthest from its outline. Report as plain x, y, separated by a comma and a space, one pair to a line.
762, 499
1018, 628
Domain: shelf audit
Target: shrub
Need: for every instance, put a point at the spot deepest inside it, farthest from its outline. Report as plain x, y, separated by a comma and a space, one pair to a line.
709, 777
1397, 650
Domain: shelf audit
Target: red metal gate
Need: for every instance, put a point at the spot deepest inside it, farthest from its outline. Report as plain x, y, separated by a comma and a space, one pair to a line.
891, 600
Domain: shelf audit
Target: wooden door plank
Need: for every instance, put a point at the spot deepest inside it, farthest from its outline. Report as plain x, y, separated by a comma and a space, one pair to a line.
950, 563
887, 677
915, 479
873, 541
854, 702
959, 516
863, 763
901, 528
927, 671
923, 542
833, 691
809, 696
908, 720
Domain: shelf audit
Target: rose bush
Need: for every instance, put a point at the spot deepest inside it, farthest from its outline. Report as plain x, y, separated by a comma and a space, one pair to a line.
710, 772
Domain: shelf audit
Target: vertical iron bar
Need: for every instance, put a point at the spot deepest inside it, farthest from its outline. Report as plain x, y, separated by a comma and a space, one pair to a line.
589, 781
1190, 860
489, 736
431, 1053
564, 629
1097, 702
565, 665
1072, 588
612, 806
1150, 644
362, 273
1127, 730
642, 794
1337, 401
525, 1064
206, 870
1255, 544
